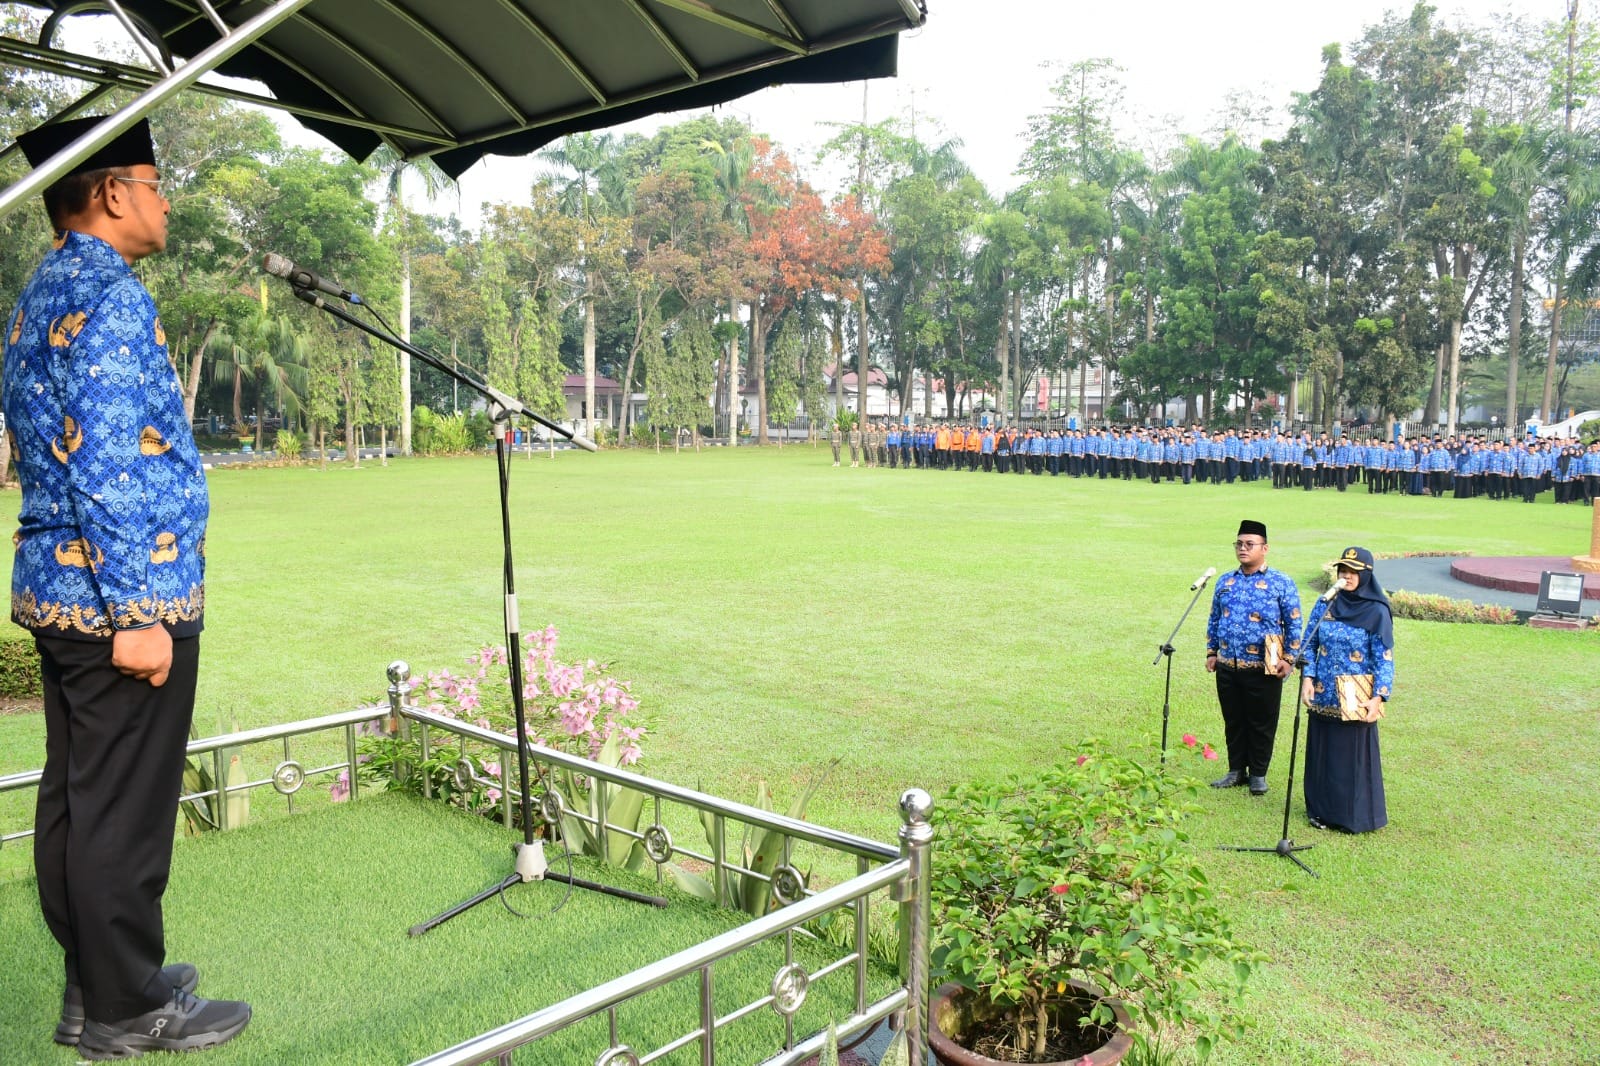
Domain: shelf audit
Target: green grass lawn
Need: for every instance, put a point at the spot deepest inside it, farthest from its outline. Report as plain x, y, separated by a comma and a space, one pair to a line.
774, 613
307, 919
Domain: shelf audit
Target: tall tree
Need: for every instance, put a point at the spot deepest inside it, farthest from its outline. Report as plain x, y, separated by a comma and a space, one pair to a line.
594, 186
393, 169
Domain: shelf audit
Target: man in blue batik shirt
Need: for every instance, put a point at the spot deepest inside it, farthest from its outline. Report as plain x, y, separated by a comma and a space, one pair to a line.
1255, 619
109, 577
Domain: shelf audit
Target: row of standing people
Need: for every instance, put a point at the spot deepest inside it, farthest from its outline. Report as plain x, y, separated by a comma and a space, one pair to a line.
1461, 466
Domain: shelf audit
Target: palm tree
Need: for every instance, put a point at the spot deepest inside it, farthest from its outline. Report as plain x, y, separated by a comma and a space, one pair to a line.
265, 352
393, 168
731, 165
590, 169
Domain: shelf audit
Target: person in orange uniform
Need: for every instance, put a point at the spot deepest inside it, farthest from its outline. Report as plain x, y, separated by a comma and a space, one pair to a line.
974, 444
941, 448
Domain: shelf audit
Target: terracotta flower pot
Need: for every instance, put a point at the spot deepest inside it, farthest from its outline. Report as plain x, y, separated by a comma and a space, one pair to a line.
953, 1009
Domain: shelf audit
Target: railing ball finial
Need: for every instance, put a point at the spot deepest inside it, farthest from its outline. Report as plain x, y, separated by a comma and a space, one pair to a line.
916, 806
399, 671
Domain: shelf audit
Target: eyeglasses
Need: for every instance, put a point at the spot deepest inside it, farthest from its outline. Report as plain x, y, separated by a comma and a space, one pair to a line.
1249, 545
154, 183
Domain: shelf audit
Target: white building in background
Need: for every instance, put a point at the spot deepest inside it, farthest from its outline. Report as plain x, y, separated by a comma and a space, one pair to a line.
882, 401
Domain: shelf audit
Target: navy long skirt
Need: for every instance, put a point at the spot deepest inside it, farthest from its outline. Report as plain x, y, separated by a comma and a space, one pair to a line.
1344, 774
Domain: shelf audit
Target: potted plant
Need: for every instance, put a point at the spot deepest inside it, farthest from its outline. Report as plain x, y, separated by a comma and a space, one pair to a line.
1068, 914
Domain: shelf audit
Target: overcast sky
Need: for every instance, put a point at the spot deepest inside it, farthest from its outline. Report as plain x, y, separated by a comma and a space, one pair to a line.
980, 68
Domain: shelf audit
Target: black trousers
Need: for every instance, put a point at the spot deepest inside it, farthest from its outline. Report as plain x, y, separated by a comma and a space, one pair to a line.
1250, 701
107, 806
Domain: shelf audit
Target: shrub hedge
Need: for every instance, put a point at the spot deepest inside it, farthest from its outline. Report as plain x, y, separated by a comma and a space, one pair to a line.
19, 665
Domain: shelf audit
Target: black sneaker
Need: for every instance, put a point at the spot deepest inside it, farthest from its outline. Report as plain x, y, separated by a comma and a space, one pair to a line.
1258, 786
1231, 779
183, 1023
70, 1027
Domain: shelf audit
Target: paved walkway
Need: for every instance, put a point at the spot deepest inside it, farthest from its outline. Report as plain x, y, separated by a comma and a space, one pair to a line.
1437, 577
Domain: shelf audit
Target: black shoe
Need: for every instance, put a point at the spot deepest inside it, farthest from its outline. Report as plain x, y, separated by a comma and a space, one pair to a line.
1318, 823
1231, 779
70, 1027
1258, 786
183, 1023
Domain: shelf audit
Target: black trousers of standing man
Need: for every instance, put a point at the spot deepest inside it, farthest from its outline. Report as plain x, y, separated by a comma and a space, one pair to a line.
107, 807
1250, 701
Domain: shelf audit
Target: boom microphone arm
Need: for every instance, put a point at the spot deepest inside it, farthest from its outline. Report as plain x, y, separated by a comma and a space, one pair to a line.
506, 405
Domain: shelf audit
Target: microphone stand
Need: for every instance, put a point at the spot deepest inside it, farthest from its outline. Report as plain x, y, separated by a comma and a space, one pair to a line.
1285, 846
1167, 649
530, 864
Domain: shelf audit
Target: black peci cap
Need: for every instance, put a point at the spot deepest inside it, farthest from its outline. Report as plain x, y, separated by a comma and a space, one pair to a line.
129, 148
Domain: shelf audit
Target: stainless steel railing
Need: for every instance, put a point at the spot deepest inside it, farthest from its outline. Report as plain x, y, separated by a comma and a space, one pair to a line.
899, 873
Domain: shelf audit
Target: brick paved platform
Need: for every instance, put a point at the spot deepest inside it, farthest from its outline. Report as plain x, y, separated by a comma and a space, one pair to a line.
1517, 573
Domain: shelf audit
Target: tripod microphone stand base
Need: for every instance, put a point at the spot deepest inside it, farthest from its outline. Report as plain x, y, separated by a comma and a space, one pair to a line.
531, 866
1286, 848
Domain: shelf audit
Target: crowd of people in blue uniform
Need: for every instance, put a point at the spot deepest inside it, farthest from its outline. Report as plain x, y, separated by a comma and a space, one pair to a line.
1464, 466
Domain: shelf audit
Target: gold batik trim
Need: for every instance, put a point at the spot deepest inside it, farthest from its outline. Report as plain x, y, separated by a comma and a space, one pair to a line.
30, 613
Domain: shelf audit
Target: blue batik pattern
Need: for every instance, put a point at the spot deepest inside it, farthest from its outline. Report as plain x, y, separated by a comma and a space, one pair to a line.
114, 503
1245, 609
1339, 648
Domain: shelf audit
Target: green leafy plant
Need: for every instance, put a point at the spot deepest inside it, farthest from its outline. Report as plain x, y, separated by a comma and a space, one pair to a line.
200, 815
288, 444
1426, 608
838, 928
759, 850
1082, 870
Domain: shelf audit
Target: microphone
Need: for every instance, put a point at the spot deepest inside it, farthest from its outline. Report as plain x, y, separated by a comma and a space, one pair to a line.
279, 267
1200, 582
1331, 593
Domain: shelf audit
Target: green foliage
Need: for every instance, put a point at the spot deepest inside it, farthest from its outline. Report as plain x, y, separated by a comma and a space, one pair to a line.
759, 850
434, 434
1083, 870
1426, 608
1589, 432
201, 815
679, 382
289, 445
845, 419
883, 932
19, 666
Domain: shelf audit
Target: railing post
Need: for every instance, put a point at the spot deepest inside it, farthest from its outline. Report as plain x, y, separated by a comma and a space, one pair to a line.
916, 847
398, 726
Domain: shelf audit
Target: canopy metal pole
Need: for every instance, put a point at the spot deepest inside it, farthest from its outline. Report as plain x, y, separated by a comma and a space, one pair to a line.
180, 79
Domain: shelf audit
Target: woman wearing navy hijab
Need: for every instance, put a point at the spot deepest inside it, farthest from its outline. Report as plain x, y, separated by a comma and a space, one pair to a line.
1353, 650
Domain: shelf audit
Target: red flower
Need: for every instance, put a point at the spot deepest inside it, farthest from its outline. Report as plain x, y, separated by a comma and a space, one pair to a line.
1190, 740
1082, 759
1058, 890
1210, 752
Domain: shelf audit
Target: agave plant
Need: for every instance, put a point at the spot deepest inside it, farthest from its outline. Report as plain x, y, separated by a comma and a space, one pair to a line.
759, 851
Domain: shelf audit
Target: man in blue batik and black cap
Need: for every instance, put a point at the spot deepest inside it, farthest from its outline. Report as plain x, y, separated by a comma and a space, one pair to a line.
109, 577
1252, 639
